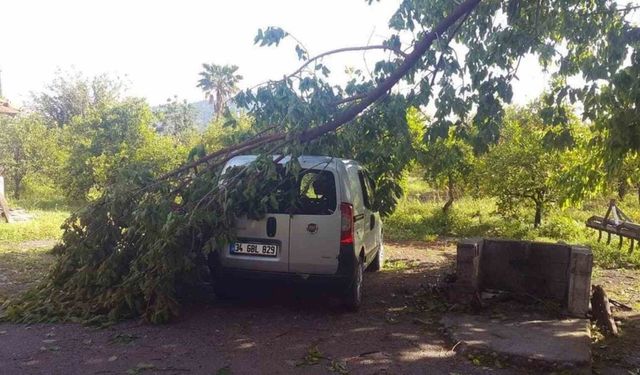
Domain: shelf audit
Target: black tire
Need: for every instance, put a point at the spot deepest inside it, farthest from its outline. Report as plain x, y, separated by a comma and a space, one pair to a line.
353, 294
222, 287
378, 261
223, 290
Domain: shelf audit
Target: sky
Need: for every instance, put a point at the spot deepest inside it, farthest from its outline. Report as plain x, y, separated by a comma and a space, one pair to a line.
158, 46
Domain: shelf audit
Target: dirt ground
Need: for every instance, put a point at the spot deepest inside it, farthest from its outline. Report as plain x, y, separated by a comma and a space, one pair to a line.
279, 329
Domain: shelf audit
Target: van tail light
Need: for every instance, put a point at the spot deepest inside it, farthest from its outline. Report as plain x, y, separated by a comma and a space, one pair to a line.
346, 224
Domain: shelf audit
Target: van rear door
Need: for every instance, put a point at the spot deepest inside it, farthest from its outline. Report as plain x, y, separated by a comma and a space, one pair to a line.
315, 225
262, 245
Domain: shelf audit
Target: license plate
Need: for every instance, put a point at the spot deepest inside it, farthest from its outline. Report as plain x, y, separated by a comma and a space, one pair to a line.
245, 248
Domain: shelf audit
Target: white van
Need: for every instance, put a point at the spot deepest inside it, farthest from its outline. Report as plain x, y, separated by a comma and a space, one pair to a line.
332, 233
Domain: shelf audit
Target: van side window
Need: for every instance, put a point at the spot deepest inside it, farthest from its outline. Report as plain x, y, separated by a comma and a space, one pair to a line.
367, 193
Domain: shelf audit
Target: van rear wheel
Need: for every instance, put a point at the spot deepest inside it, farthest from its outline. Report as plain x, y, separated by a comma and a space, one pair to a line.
353, 295
378, 261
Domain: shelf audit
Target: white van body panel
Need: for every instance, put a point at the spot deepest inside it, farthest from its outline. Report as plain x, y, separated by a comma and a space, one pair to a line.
308, 244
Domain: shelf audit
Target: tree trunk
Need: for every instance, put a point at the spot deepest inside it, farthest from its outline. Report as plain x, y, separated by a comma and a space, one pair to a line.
17, 187
638, 187
538, 218
450, 196
623, 188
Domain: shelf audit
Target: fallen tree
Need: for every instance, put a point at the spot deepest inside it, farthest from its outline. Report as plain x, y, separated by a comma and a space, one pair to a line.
129, 252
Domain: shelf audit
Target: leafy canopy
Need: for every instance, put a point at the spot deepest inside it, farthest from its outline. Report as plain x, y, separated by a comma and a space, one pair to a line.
524, 169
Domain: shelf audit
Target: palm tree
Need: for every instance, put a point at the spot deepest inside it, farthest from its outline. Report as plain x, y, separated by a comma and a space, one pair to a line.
219, 83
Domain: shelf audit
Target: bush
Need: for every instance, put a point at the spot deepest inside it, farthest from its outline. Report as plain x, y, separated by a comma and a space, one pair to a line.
563, 227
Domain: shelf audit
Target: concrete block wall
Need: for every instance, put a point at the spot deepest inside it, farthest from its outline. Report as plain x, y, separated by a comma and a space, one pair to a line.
580, 268
556, 272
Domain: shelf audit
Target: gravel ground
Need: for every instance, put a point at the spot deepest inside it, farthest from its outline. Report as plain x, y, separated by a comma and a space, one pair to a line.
276, 329
281, 329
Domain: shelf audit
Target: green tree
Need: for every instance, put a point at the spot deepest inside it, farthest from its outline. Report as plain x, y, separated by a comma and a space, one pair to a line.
523, 170
626, 176
219, 83
72, 94
382, 141
223, 133
447, 161
176, 118
27, 149
109, 138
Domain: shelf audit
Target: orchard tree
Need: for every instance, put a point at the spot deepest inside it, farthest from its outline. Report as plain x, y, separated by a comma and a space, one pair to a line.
523, 170
175, 118
107, 139
28, 149
72, 94
223, 133
447, 160
626, 175
219, 83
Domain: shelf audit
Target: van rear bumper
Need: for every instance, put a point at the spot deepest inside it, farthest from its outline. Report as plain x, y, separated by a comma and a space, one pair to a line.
227, 273
343, 275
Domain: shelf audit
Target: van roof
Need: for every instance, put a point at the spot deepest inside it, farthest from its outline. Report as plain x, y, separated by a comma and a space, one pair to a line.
303, 159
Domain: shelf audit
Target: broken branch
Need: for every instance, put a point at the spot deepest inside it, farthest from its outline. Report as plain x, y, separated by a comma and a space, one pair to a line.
346, 49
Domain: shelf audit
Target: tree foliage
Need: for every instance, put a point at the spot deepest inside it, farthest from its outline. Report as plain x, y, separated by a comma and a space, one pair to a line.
447, 161
524, 169
71, 94
219, 83
28, 149
176, 118
109, 137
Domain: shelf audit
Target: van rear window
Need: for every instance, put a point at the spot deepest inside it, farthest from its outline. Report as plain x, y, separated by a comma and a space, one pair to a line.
314, 193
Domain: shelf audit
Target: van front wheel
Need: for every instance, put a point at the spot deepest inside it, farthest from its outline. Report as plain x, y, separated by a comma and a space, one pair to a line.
353, 296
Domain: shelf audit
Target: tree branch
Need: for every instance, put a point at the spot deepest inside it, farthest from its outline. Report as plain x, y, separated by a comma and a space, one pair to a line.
409, 62
350, 113
449, 39
346, 49
350, 99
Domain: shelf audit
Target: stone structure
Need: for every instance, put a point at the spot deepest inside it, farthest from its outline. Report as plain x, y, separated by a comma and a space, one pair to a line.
557, 272
543, 344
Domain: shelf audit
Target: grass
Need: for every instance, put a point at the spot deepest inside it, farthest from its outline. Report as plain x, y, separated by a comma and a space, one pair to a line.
399, 265
24, 246
419, 217
44, 226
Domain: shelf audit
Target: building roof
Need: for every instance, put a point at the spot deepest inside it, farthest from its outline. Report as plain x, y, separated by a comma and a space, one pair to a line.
6, 109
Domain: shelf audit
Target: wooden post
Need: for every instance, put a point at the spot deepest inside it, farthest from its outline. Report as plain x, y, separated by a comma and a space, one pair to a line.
3, 203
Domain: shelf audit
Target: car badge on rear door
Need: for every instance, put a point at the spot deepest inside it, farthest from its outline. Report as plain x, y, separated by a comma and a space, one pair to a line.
312, 228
